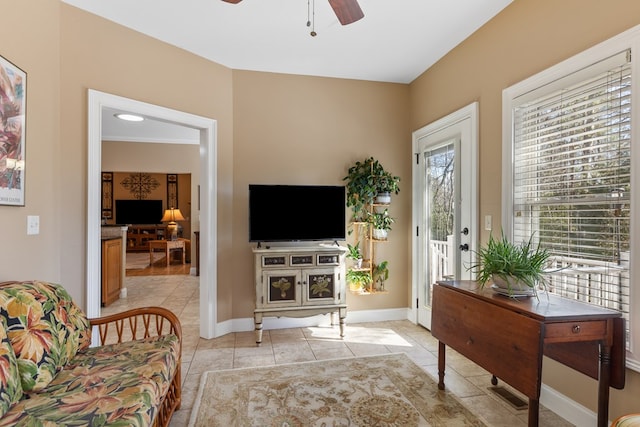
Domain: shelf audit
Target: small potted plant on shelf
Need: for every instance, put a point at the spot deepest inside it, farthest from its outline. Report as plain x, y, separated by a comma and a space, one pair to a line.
355, 254
381, 223
514, 269
386, 183
380, 274
366, 181
359, 280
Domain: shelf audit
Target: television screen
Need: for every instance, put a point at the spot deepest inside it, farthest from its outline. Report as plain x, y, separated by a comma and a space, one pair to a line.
285, 213
139, 211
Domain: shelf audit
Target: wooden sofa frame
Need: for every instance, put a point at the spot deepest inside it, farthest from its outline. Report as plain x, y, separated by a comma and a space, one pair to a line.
142, 323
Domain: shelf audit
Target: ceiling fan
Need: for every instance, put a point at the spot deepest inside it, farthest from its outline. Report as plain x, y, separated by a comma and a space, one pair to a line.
347, 11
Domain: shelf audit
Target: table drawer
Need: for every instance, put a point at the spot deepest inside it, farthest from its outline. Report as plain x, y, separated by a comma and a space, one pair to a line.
576, 331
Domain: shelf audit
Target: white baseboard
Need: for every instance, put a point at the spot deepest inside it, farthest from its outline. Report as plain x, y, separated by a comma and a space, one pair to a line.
362, 316
568, 409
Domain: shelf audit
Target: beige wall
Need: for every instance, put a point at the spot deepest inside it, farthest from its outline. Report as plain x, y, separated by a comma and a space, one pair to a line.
526, 38
30, 41
100, 55
271, 129
308, 130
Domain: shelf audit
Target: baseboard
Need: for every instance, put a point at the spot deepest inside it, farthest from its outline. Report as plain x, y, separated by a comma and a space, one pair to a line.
361, 316
568, 409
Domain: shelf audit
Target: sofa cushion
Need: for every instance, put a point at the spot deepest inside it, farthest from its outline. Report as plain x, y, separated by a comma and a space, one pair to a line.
45, 328
10, 387
113, 385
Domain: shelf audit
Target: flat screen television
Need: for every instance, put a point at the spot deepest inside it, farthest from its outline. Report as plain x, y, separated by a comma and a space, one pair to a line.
289, 213
139, 211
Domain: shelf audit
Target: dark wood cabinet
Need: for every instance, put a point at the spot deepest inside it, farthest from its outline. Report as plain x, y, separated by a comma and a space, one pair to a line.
138, 236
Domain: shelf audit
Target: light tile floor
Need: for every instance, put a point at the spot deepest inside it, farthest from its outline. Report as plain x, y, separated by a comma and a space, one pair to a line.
180, 294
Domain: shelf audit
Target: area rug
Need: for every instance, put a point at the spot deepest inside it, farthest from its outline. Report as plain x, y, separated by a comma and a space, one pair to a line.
388, 390
137, 260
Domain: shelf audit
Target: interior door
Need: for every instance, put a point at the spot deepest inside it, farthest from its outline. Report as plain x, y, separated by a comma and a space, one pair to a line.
445, 212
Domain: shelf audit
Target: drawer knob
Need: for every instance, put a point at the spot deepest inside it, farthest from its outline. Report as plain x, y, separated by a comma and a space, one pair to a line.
575, 329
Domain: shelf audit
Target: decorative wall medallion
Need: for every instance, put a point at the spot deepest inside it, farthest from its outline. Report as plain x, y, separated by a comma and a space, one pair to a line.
140, 185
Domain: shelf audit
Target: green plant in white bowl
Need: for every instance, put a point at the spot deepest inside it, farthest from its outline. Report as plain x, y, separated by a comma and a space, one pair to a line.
512, 267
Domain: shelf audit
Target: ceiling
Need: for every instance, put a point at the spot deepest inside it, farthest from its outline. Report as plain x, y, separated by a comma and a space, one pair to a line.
396, 41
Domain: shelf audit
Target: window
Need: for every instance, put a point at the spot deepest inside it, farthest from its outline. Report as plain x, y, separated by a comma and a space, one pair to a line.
567, 168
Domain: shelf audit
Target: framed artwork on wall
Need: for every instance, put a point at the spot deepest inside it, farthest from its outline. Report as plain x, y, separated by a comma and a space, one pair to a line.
13, 96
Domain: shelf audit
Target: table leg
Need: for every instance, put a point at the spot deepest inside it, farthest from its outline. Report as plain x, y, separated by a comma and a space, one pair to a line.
534, 411
342, 312
441, 364
168, 259
257, 318
150, 255
184, 260
604, 380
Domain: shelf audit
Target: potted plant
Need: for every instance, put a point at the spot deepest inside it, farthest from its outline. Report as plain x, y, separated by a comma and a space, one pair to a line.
355, 254
381, 223
361, 190
359, 280
386, 183
380, 274
512, 267
365, 180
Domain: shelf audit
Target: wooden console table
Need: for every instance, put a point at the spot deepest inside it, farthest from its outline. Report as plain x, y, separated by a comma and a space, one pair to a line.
508, 338
166, 246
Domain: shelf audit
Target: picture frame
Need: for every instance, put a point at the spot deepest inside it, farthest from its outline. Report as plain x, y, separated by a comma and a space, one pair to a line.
13, 107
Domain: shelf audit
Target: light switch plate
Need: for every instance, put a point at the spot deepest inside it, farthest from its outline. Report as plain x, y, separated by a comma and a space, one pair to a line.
487, 222
33, 224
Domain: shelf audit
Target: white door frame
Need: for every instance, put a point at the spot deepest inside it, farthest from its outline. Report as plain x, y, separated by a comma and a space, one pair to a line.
208, 201
462, 124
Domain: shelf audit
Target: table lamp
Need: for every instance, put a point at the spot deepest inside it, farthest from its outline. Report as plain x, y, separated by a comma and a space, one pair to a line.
172, 215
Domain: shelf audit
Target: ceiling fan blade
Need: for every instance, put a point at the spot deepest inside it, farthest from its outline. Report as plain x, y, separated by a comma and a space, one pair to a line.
232, 1
347, 11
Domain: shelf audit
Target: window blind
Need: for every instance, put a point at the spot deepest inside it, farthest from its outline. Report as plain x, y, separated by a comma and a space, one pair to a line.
572, 180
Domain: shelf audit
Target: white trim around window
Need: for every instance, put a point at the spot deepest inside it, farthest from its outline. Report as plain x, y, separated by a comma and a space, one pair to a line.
629, 40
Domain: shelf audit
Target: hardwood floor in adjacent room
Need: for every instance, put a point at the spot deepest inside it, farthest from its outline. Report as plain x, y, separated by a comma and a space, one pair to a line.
138, 265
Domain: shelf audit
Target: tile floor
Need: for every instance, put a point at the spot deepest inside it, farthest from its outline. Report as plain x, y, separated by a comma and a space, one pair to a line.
180, 294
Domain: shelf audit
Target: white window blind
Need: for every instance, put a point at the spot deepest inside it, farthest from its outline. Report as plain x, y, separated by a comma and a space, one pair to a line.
572, 179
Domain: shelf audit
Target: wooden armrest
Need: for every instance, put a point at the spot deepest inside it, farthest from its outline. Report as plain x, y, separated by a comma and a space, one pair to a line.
137, 324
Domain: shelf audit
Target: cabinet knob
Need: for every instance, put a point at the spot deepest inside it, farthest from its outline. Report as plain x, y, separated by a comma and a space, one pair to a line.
575, 329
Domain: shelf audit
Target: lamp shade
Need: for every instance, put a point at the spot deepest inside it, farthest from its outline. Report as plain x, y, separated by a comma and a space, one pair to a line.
172, 215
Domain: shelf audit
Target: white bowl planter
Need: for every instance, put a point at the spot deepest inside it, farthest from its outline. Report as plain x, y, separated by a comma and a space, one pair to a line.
383, 198
511, 284
379, 234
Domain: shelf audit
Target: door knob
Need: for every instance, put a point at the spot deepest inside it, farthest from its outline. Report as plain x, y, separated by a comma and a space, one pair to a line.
465, 231
464, 247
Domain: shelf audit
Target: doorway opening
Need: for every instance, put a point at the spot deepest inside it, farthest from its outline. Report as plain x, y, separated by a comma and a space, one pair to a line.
207, 129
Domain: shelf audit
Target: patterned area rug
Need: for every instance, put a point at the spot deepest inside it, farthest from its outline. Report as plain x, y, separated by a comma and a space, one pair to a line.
388, 390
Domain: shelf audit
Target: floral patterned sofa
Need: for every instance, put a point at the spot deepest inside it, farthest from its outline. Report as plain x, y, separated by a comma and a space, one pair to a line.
50, 376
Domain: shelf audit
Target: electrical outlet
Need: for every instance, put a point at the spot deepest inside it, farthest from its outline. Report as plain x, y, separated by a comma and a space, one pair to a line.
33, 224
487, 222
